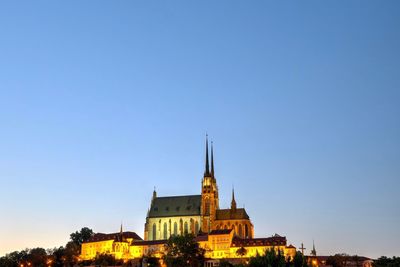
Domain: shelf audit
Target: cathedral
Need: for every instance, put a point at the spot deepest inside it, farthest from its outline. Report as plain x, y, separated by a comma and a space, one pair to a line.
222, 233
177, 215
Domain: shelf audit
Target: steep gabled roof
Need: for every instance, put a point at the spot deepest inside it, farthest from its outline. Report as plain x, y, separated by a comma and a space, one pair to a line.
221, 232
114, 236
149, 242
228, 214
175, 206
269, 241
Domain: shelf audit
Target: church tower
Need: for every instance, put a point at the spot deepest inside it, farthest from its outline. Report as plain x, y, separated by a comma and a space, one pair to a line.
209, 194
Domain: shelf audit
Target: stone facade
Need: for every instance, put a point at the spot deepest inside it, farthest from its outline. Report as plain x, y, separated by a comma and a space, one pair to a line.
221, 232
189, 214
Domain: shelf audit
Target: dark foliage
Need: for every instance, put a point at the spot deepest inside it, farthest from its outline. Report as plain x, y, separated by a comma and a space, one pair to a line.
81, 236
183, 251
387, 262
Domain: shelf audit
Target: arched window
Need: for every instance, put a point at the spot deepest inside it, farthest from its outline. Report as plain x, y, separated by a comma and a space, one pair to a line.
154, 231
191, 227
207, 207
175, 228
196, 228
240, 231
186, 231
165, 230
225, 227
246, 231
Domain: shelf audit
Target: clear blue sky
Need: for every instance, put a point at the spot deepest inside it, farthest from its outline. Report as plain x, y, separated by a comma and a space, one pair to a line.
102, 100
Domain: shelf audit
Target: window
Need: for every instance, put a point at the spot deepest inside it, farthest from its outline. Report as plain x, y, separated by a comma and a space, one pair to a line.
186, 228
196, 228
240, 230
154, 231
165, 230
207, 207
246, 231
175, 228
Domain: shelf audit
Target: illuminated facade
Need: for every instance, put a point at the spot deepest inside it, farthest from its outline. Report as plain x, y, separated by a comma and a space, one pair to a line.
116, 244
220, 232
177, 215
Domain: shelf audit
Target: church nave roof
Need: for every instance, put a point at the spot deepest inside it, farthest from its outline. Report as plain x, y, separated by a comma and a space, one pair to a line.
175, 206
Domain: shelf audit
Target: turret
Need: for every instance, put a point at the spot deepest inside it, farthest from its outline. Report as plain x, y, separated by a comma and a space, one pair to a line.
154, 194
313, 251
233, 202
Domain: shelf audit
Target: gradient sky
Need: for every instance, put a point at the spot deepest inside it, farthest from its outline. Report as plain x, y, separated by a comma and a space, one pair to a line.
100, 101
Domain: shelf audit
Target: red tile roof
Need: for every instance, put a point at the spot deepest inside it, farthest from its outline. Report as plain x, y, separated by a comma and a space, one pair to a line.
114, 236
269, 241
221, 232
149, 242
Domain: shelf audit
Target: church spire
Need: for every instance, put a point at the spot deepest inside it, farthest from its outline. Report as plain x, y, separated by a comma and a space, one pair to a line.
313, 251
121, 233
154, 194
207, 170
233, 203
212, 160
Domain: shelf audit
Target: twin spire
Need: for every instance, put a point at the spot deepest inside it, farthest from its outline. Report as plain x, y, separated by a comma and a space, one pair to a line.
207, 172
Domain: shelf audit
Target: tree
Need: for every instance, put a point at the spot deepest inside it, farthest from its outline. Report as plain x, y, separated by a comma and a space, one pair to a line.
7, 262
13, 259
338, 260
298, 260
105, 260
71, 253
271, 258
241, 251
37, 257
58, 256
183, 251
83, 235
387, 262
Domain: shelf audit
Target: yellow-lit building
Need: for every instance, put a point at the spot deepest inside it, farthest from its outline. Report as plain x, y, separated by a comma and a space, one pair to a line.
116, 244
221, 232
176, 215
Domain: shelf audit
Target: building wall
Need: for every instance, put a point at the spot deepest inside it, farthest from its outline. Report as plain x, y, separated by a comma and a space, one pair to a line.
90, 250
216, 247
238, 226
165, 226
252, 251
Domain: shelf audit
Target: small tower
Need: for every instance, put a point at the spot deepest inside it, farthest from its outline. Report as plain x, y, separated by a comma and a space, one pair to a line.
154, 194
313, 251
233, 202
121, 234
209, 193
